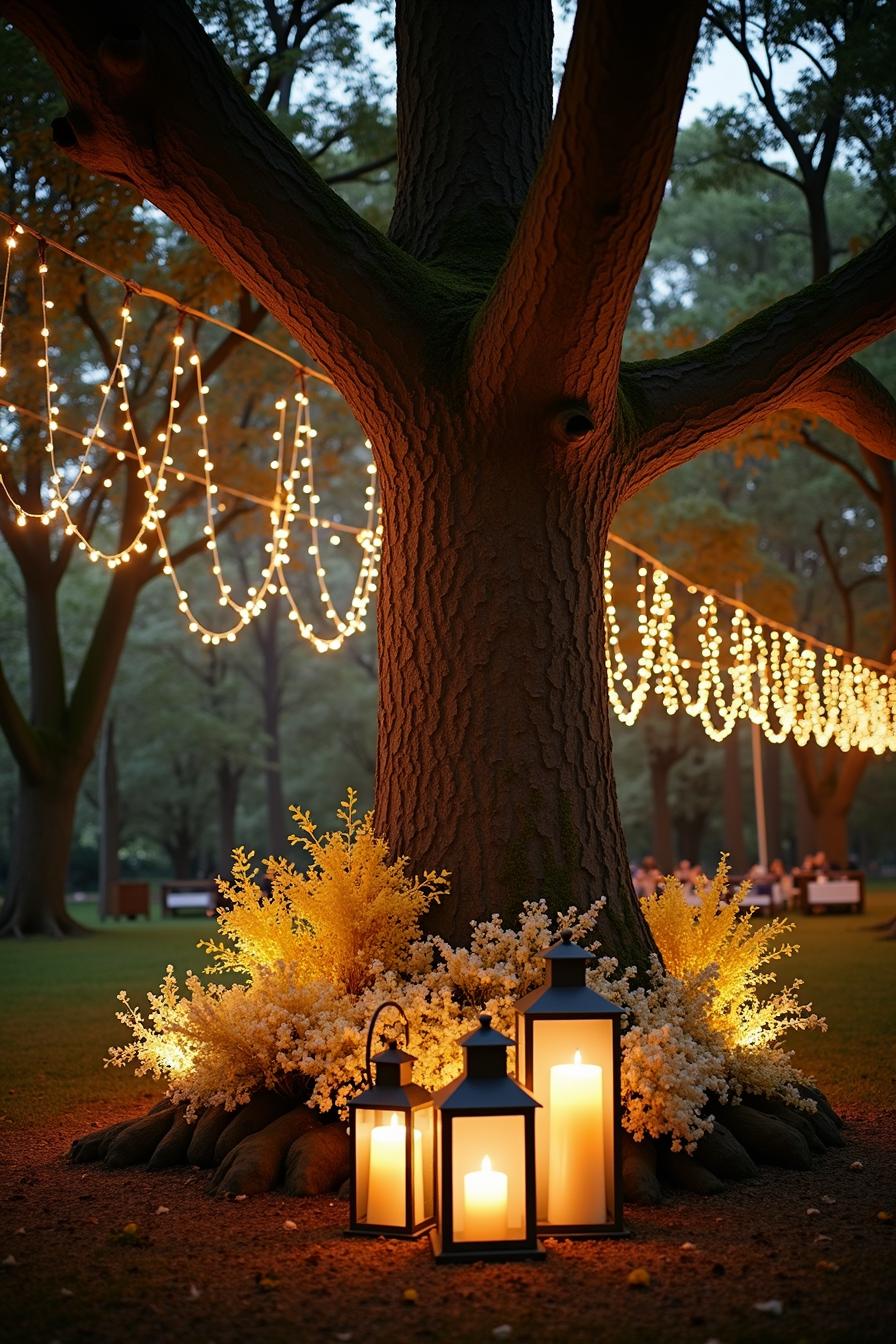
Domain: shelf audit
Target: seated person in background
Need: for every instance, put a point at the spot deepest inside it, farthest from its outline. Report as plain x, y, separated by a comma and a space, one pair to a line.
779, 875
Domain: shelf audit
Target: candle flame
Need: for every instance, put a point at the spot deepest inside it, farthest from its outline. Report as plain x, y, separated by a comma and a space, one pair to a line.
578, 1057
486, 1163
394, 1120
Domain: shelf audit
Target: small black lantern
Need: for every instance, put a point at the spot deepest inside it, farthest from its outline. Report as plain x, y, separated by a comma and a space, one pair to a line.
568, 1054
485, 1145
392, 1152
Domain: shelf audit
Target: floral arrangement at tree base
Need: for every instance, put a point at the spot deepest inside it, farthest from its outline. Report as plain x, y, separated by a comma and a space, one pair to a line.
261, 1054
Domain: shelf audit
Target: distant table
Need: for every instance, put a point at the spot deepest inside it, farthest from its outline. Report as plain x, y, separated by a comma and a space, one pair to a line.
189, 895
840, 891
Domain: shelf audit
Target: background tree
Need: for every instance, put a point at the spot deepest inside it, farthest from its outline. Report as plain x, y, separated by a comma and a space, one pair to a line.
52, 734
480, 347
801, 130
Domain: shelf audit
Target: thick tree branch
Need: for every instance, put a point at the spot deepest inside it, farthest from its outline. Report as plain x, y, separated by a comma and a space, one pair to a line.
786, 356
850, 397
589, 217
154, 104
17, 730
474, 107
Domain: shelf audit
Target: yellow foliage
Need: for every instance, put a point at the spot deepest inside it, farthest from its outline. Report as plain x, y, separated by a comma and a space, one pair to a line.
350, 911
718, 936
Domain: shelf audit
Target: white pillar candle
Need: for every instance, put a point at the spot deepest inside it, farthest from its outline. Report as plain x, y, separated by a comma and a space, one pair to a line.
386, 1180
485, 1204
576, 1177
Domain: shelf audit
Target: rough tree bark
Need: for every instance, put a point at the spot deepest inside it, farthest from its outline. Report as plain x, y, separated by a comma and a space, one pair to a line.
484, 365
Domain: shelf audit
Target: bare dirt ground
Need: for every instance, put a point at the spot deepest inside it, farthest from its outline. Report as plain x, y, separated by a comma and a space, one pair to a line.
233, 1272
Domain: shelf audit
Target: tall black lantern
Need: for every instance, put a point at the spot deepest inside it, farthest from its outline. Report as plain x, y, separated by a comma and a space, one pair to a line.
391, 1146
485, 1145
567, 1054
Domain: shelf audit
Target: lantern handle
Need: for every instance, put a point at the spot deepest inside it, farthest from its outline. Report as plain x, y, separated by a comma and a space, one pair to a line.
389, 1003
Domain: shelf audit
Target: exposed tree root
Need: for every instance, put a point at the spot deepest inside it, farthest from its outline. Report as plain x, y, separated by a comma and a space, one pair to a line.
725, 1156
257, 1163
206, 1132
640, 1182
318, 1162
260, 1111
45, 925
273, 1142
687, 1173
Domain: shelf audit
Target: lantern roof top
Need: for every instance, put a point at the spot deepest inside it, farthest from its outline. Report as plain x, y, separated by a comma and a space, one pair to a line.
566, 950
485, 1084
393, 1054
563, 1001
485, 1036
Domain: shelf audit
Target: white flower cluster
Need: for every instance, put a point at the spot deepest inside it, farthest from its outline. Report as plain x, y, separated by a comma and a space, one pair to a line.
217, 1044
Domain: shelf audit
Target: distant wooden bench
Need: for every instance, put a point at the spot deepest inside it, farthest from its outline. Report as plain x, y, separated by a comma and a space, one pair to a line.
188, 895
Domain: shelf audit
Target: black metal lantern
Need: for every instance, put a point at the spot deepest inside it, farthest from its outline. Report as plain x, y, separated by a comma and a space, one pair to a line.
567, 1054
391, 1146
485, 1145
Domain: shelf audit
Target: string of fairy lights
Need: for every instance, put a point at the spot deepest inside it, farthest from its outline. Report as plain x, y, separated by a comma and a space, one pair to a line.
781, 679
292, 465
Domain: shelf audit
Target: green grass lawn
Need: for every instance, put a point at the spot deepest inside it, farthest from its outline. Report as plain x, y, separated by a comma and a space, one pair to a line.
57, 1006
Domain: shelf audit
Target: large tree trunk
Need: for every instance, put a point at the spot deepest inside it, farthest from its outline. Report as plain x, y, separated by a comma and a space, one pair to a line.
494, 756
35, 901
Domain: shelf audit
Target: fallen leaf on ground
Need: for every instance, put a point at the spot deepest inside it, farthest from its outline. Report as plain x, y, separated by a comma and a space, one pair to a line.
810, 1213
10, 1260
163, 1208
773, 1307
194, 1291
829, 1266
885, 1216
502, 1331
688, 1246
409, 1297
857, 1166
638, 1278
290, 1226
828, 1199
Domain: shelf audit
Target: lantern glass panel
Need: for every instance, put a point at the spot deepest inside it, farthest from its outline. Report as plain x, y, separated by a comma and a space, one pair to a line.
381, 1138
489, 1185
572, 1076
424, 1125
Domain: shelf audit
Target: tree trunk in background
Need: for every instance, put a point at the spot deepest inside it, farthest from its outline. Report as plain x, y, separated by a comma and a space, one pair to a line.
689, 834
494, 754
832, 833
228, 778
771, 766
661, 842
110, 816
732, 803
805, 821
267, 632
35, 902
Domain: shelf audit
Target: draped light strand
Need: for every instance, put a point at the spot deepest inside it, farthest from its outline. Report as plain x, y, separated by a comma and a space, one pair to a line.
63, 504
750, 668
782, 682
